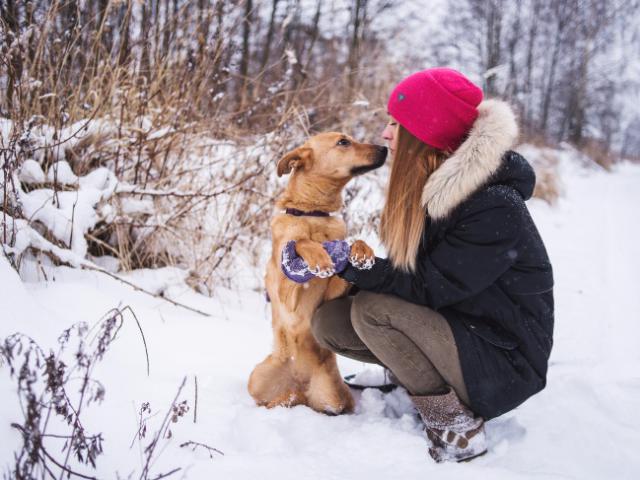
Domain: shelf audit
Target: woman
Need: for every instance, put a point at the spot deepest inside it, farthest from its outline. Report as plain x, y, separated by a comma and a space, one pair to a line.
462, 310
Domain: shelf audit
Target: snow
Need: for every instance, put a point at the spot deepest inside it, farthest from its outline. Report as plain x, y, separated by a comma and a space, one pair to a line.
31, 172
62, 173
68, 215
584, 425
160, 281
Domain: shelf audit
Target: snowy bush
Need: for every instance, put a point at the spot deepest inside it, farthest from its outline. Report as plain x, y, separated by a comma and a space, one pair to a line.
166, 199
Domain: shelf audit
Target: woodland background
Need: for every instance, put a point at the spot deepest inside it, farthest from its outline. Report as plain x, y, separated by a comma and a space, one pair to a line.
188, 104
138, 144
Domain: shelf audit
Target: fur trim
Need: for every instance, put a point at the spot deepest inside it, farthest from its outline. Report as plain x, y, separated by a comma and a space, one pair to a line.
493, 133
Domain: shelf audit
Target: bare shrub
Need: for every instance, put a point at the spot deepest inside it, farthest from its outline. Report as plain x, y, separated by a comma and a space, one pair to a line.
47, 384
54, 390
548, 186
599, 152
190, 125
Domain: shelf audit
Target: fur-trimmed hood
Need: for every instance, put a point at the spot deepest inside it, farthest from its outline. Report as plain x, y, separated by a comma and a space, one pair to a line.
471, 166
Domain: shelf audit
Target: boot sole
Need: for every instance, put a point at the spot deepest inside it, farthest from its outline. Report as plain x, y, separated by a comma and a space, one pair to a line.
468, 459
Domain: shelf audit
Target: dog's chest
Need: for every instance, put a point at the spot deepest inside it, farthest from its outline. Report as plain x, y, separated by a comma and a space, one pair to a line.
286, 227
328, 235
333, 230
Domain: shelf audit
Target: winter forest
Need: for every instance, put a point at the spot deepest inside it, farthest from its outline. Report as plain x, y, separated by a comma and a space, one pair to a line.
138, 146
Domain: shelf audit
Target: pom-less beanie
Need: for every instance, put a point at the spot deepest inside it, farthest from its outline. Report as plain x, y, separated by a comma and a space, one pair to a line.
437, 105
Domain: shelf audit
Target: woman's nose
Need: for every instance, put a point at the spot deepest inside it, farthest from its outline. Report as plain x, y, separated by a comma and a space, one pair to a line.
387, 133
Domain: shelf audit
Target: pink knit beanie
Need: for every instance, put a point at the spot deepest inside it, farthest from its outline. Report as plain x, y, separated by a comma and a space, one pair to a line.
437, 105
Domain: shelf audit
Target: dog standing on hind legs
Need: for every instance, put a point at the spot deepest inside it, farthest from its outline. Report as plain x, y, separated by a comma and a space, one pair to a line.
299, 371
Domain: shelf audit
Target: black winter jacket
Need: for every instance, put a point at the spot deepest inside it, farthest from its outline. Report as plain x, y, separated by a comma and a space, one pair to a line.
484, 267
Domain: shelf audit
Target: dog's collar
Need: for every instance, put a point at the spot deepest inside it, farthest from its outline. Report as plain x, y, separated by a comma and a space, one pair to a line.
301, 213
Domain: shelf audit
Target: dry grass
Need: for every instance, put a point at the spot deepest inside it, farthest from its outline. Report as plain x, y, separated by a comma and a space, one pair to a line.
547, 180
598, 152
192, 142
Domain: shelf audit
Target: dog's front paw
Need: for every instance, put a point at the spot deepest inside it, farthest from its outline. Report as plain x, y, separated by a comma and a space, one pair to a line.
361, 256
322, 272
320, 264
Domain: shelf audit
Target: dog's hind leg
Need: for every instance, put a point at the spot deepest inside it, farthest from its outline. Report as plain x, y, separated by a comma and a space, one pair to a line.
327, 392
271, 384
337, 287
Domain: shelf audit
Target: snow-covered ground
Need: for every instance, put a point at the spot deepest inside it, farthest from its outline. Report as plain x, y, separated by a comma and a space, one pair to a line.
584, 425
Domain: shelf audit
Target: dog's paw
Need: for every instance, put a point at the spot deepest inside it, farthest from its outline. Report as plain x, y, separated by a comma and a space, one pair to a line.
322, 272
322, 266
361, 256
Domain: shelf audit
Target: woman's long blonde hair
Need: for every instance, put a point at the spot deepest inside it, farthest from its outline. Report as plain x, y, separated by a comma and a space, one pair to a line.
403, 217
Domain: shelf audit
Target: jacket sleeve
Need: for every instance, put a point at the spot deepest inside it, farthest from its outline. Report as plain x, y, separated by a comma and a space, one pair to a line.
473, 254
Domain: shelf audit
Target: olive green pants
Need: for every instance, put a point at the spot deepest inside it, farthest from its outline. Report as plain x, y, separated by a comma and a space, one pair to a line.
413, 341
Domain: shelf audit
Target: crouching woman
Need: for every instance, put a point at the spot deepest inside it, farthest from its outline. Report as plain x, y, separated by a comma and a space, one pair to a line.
461, 311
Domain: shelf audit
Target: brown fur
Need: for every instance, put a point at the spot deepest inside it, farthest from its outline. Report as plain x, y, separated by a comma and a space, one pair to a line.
299, 371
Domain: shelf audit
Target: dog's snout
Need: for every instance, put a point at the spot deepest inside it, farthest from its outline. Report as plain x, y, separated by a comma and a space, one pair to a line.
381, 153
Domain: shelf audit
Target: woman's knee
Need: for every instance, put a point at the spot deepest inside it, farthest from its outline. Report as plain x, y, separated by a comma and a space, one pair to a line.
319, 325
327, 320
367, 309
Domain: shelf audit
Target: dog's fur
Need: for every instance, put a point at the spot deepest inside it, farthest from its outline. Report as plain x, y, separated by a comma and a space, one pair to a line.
299, 371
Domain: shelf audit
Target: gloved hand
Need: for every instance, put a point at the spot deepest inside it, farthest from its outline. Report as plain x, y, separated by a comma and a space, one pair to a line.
293, 266
296, 269
338, 250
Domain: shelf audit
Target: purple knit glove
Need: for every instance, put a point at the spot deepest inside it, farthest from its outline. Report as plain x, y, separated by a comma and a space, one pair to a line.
297, 270
339, 251
293, 266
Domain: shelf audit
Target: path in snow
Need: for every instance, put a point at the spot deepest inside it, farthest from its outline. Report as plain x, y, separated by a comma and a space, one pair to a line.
583, 425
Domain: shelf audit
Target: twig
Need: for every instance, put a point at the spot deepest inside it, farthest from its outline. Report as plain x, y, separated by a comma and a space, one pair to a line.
64, 467
74, 260
168, 193
160, 433
195, 407
175, 193
144, 341
195, 445
165, 475
87, 266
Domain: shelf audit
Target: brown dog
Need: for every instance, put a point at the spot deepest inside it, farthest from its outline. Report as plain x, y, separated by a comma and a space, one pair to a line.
299, 371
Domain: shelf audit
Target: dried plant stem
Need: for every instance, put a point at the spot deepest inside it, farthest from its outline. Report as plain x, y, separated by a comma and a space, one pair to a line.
195, 408
144, 340
140, 289
195, 445
65, 468
159, 434
165, 475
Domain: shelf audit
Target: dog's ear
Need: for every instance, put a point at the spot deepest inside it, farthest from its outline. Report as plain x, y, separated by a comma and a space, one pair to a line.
301, 157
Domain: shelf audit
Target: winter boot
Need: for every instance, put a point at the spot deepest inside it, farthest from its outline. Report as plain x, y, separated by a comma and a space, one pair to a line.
390, 378
455, 433
387, 385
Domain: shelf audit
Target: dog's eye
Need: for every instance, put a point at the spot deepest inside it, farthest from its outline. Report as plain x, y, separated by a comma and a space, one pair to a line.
343, 142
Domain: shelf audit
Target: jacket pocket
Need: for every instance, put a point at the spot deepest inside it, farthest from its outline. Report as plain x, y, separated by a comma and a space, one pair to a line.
496, 337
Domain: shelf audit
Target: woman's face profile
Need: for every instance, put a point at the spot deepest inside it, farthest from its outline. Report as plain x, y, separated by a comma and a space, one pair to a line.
390, 135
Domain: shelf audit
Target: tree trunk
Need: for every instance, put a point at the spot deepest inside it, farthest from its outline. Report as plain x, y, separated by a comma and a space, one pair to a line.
123, 55
546, 100
533, 33
514, 37
578, 111
354, 48
494, 33
244, 59
145, 67
266, 50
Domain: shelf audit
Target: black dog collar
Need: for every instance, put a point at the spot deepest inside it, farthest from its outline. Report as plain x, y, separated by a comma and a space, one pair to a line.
301, 213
